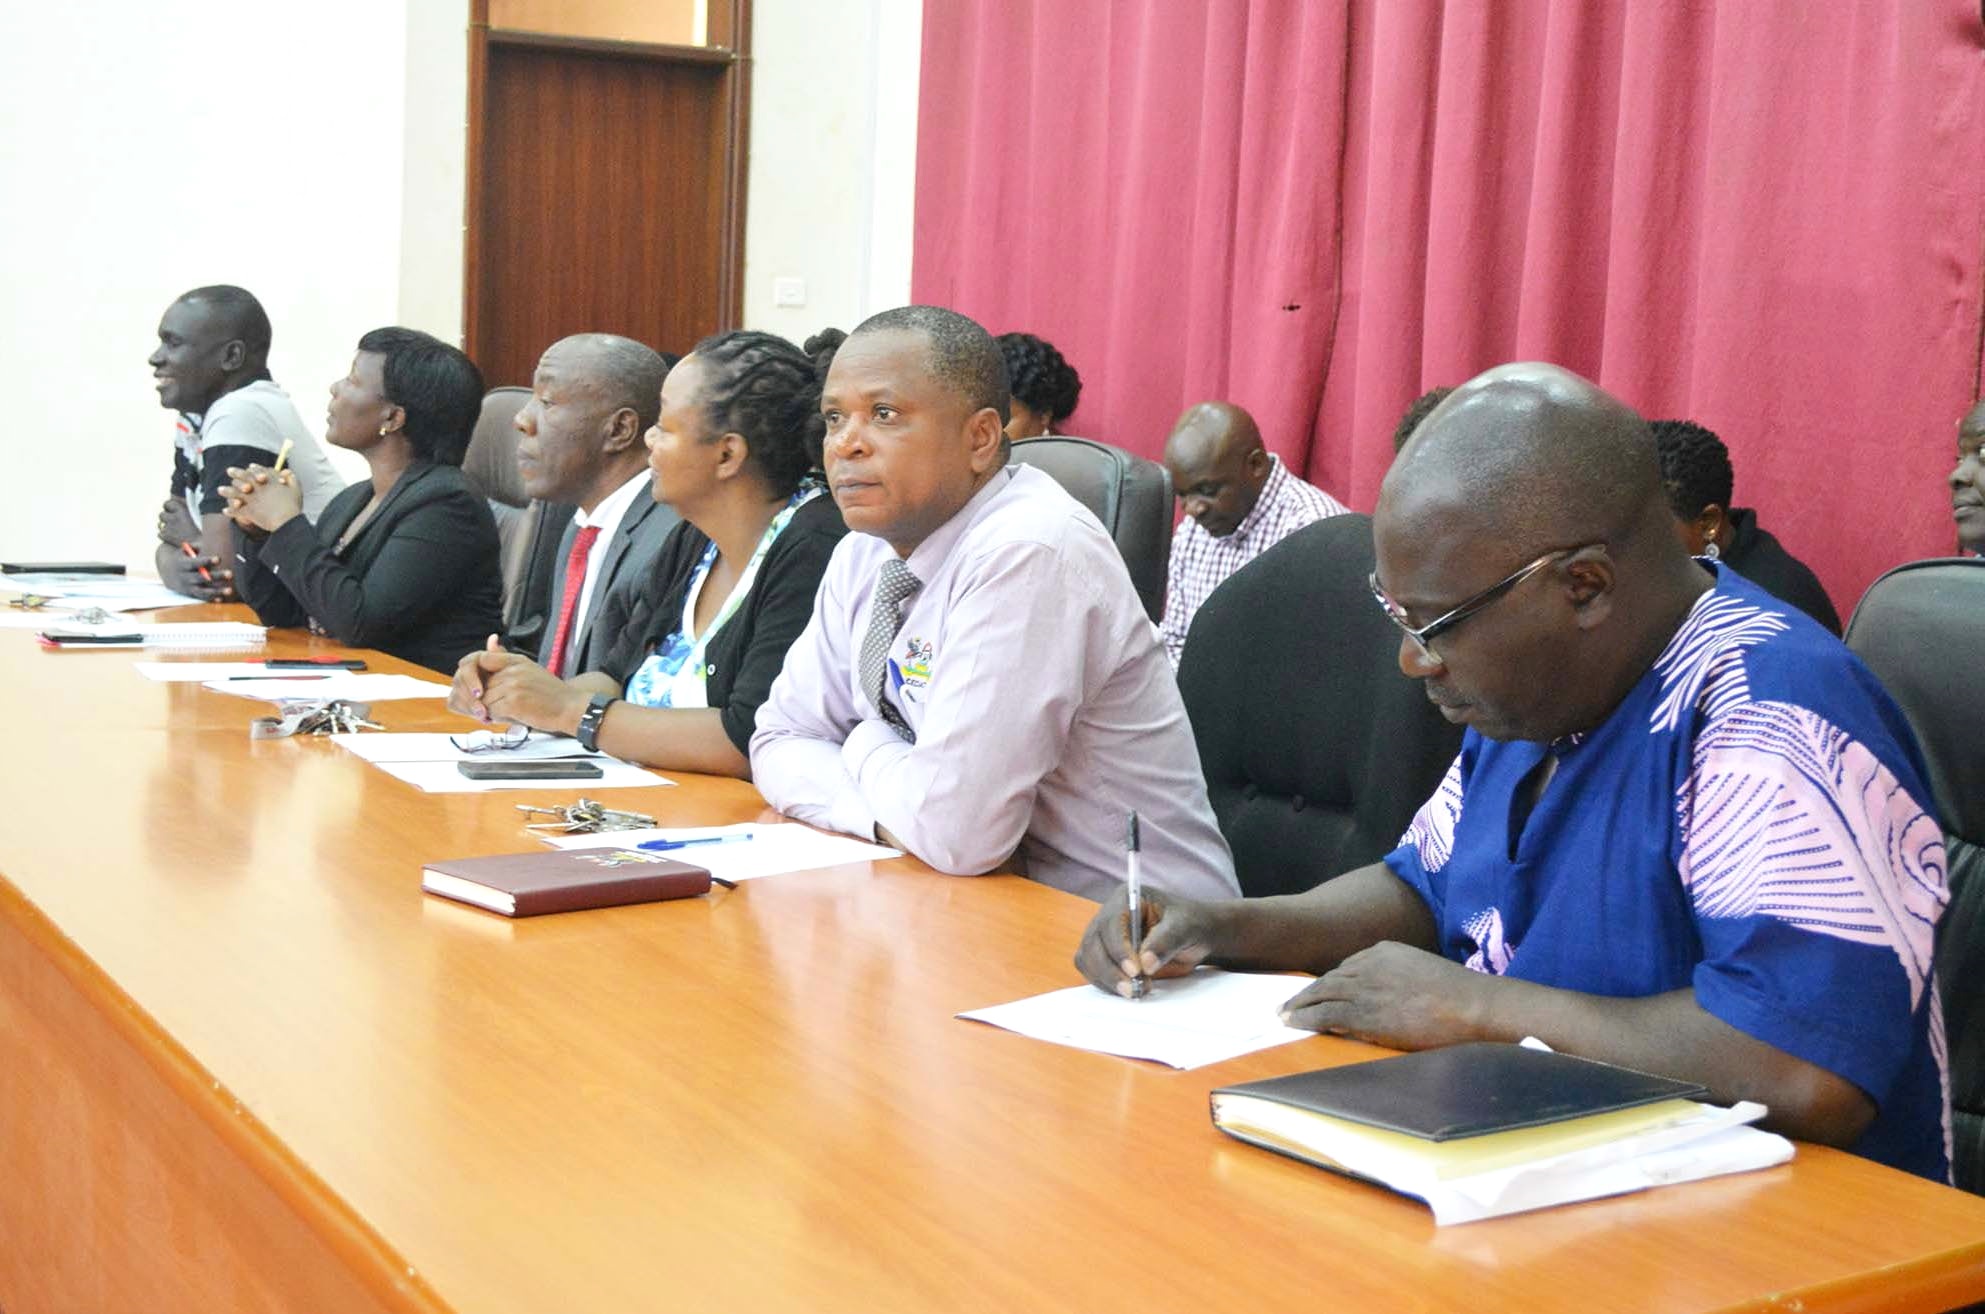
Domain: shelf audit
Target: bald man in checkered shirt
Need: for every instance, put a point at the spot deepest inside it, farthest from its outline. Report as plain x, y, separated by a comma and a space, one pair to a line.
1240, 500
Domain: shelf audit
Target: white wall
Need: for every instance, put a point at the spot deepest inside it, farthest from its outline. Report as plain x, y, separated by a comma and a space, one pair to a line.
315, 155
833, 159
148, 146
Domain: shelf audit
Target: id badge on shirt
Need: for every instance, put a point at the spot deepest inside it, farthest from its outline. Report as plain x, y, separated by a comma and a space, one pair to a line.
909, 670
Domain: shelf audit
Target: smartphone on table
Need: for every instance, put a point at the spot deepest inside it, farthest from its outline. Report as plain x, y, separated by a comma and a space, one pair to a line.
542, 769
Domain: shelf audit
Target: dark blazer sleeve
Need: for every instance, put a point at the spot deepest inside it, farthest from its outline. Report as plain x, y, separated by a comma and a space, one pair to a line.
747, 658
639, 619
433, 540
260, 587
1763, 560
642, 533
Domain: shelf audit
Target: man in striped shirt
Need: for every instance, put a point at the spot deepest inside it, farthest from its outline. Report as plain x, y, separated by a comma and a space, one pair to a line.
1240, 500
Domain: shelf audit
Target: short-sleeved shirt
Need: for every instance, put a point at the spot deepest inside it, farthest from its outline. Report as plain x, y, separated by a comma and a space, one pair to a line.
1751, 822
244, 427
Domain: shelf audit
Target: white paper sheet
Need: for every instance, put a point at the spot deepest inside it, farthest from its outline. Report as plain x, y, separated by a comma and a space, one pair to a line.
60, 614
769, 850
1185, 1022
200, 672
445, 778
407, 747
111, 592
144, 599
358, 686
12, 618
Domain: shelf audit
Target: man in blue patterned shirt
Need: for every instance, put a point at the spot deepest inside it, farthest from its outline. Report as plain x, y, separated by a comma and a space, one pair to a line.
1687, 831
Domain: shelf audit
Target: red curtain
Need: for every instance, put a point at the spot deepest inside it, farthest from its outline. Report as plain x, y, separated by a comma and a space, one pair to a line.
1765, 215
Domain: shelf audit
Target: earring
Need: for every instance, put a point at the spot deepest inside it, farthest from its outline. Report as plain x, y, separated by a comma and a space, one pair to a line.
382, 434
1711, 551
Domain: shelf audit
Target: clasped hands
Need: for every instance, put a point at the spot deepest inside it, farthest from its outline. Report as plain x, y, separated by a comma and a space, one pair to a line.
494, 685
1389, 994
261, 500
195, 575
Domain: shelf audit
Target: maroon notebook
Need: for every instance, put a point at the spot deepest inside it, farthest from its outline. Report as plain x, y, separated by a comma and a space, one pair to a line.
564, 880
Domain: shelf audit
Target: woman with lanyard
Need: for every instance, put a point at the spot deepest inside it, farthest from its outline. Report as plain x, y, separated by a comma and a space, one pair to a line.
694, 652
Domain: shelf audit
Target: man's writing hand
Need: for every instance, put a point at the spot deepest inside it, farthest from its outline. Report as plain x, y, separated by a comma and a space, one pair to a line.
1178, 936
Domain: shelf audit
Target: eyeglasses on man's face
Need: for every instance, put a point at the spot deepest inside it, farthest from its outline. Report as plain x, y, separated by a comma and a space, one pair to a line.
1424, 635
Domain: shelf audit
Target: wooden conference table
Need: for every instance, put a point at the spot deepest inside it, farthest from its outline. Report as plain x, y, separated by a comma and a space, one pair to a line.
246, 1065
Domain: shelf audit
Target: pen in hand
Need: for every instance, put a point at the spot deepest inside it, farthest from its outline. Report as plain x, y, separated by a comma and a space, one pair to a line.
187, 548
1133, 881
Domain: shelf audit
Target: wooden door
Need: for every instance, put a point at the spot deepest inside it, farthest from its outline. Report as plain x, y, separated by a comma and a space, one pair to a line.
606, 194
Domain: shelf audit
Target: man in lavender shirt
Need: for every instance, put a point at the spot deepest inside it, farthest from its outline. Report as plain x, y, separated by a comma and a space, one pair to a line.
979, 684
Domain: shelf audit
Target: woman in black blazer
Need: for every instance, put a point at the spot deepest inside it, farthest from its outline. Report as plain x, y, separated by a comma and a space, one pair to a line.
694, 653
406, 561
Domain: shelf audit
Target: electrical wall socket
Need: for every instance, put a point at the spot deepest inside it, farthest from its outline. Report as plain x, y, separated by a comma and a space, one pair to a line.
789, 292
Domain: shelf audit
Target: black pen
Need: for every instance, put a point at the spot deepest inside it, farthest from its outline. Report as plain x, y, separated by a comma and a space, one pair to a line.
1133, 881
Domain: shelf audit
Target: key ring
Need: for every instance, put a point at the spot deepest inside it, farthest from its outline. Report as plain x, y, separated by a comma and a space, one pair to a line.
587, 817
339, 716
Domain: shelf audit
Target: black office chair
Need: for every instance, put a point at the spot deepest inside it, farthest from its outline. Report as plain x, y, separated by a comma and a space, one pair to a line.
491, 463
1920, 628
1317, 750
1130, 495
527, 530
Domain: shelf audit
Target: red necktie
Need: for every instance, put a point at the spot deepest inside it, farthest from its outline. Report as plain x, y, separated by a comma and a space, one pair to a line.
575, 583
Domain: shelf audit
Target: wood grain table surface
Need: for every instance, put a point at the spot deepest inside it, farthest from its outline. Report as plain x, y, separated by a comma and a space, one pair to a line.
758, 1100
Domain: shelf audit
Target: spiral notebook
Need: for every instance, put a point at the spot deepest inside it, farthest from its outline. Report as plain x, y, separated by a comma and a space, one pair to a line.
184, 636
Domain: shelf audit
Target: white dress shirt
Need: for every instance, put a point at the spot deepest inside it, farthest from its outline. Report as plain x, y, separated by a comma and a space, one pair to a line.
1043, 707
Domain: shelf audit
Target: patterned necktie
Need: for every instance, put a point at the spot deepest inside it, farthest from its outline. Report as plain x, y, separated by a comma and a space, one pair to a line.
885, 618
575, 583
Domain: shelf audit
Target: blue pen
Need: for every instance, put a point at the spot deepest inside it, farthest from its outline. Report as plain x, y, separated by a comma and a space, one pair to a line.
665, 845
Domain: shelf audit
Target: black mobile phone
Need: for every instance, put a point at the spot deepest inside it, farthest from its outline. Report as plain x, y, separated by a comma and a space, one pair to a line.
541, 769
60, 568
314, 664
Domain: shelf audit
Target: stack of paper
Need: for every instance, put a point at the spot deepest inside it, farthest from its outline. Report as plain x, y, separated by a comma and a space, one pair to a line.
1480, 1130
1704, 1141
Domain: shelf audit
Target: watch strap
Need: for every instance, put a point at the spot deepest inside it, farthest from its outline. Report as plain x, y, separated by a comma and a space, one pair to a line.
588, 733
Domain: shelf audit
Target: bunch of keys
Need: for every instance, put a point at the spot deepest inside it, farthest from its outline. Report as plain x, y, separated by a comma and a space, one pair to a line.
339, 716
30, 601
587, 818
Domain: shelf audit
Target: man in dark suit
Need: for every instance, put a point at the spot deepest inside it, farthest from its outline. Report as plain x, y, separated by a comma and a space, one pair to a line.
593, 399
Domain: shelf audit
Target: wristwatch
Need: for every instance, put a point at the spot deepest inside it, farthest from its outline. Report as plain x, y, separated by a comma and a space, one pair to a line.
588, 733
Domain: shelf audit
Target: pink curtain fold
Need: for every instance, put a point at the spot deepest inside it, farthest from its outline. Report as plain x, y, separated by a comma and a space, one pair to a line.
1766, 215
